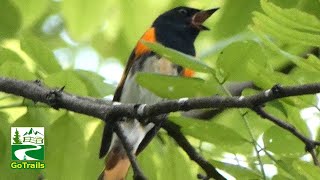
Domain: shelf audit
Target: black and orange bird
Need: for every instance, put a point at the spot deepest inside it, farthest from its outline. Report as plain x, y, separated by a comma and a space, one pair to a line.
177, 29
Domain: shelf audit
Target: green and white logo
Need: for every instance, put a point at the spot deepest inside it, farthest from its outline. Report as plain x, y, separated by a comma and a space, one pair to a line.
27, 143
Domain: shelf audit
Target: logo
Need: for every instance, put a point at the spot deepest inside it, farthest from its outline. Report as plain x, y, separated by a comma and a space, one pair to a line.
27, 147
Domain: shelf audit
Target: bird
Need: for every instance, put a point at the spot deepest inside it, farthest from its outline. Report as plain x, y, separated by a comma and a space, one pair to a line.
177, 29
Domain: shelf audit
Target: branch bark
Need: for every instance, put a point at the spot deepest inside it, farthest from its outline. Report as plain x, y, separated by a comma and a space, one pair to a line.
106, 111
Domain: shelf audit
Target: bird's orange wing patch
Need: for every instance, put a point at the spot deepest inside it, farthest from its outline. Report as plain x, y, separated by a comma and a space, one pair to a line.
149, 36
188, 72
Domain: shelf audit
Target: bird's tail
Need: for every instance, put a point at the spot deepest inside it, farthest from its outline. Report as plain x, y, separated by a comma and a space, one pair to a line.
117, 165
117, 161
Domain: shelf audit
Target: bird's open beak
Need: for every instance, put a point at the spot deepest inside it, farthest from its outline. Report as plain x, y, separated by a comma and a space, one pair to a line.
200, 17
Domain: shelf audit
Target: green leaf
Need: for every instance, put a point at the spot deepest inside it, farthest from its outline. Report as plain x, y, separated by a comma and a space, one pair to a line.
236, 171
310, 171
69, 79
8, 55
93, 133
267, 25
31, 10
65, 145
281, 142
285, 166
266, 78
212, 132
281, 177
4, 136
40, 54
313, 61
179, 58
304, 76
34, 117
168, 159
292, 18
297, 60
84, 18
9, 19
174, 87
233, 61
94, 84
226, 25
16, 70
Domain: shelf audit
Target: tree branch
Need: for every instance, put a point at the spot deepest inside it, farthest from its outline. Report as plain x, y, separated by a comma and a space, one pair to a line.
174, 131
137, 173
104, 110
309, 143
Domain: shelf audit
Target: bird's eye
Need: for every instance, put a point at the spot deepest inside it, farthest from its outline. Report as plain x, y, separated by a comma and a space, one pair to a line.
183, 11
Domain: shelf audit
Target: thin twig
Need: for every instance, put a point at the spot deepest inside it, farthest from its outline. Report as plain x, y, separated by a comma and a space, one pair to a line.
254, 143
174, 131
309, 143
137, 173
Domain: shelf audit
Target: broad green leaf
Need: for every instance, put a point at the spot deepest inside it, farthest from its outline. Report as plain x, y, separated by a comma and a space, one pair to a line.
285, 166
283, 143
226, 25
169, 160
9, 19
297, 60
69, 79
31, 10
4, 136
84, 18
310, 171
16, 70
93, 133
236, 171
65, 144
233, 61
94, 83
8, 55
294, 118
179, 58
175, 87
314, 61
281, 177
304, 76
36, 117
212, 132
292, 18
266, 79
40, 54
233, 119
267, 25
222, 44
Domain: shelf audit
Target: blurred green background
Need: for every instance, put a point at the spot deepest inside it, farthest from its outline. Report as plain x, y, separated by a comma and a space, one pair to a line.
84, 45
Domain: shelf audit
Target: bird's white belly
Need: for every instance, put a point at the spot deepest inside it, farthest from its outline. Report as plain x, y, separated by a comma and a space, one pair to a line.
134, 93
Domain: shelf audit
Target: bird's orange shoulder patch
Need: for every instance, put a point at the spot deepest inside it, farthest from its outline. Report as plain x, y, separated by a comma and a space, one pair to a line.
188, 72
149, 36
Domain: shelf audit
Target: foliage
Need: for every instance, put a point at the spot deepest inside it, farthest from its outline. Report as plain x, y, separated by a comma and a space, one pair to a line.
250, 40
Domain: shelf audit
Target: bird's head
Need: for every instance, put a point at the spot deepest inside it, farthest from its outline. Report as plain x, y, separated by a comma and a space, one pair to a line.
184, 18
180, 26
